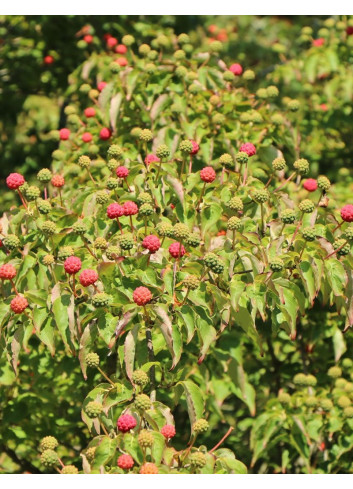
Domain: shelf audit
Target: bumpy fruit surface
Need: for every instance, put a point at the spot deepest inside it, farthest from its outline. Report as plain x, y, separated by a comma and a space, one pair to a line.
7, 272
200, 426
149, 468
48, 260
276, 264
343, 402
18, 304
300, 379
140, 378
112, 252
93, 409
146, 210
226, 159
309, 234
100, 243
130, 208
279, 164
72, 265
176, 250
193, 240
326, 404
49, 228
284, 398
208, 174
44, 206
142, 402
302, 166
323, 183
141, 296
48, 443
306, 206
126, 422
198, 460
342, 247
191, 282
261, 196
348, 412
348, 234
44, 175
164, 229
145, 438
88, 277
144, 198
180, 231
126, 241
347, 213
58, 181
49, 458
92, 360
79, 227
248, 148
334, 372
15, 180
214, 263
151, 243
168, 431
236, 204
234, 223
115, 210
11, 242
122, 172
90, 452
310, 185
69, 469
125, 462
163, 151
101, 299
185, 146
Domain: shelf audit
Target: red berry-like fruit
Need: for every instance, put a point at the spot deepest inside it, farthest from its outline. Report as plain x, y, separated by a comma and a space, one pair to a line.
101, 85
115, 210
72, 265
126, 422
125, 462
88, 277
151, 243
58, 181
149, 468
207, 174
7, 271
86, 137
168, 431
122, 172
121, 49
195, 147
64, 134
177, 249
248, 148
105, 134
111, 42
90, 112
88, 38
130, 208
142, 295
121, 61
310, 184
349, 30
107, 36
151, 158
236, 68
48, 60
347, 213
318, 42
324, 107
18, 304
15, 180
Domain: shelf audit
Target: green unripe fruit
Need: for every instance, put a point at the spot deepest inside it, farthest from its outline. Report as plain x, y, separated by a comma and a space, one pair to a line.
49, 458
293, 105
93, 409
152, 55
214, 263
309, 234
226, 159
79, 227
69, 469
306, 206
100, 243
65, 252
216, 46
135, 132
300, 380
326, 404
343, 402
234, 224
58, 154
142, 402
183, 39
44, 175
191, 282
323, 183
311, 380
70, 109
92, 360
146, 135
54, 135
102, 197
32, 193
261, 196
218, 119
114, 151
144, 198
128, 40
11, 242
288, 216
49, 228
345, 247
180, 231
44, 206
162, 151
279, 164
181, 71
150, 68
90, 452
85, 88
340, 383
84, 161
179, 54
277, 119
347, 362
272, 91
93, 149
334, 372
126, 241
215, 100
145, 439
93, 93
73, 120
48, 443
311, 401
348, 234
276, 264
146, 210
262, 93
228, 76
144, 49
186, 146
101, 299
164, 229
112, 183
112, 252
301, 166
198, 460
200, 426
161, 41
349, 387
140, 378
340, 25
348, 412
249, 75
284, 398
235, 204
307, 30
48, 260
113, 164
193, 240
241, 157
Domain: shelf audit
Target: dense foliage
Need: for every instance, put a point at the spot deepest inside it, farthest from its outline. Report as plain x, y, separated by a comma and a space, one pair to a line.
177, 283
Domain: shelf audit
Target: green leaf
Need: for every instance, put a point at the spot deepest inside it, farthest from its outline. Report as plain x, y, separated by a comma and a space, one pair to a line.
129, 350
194, 400
171, 335
336, 275
104, 452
